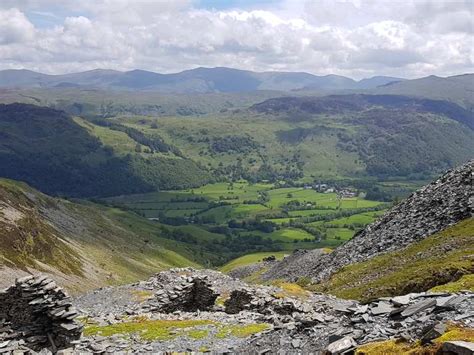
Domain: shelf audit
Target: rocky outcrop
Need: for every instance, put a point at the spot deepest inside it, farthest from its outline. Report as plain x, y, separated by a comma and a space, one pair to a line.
431, 209
35, 314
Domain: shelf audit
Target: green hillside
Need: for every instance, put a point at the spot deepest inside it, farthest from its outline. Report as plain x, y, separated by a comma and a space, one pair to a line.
83, 244
335, 137
444, 258
64, 156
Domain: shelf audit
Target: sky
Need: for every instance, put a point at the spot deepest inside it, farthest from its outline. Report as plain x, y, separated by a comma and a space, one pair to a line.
355, 38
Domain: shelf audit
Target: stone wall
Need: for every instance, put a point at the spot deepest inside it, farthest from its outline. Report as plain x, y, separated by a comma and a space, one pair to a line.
35, 313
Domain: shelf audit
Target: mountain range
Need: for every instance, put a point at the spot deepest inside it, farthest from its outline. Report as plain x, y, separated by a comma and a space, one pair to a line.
218, 79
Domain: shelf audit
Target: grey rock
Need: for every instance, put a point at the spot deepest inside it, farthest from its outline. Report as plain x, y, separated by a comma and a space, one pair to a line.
382, 308
418, 307
401, 300
458, 347
341, 345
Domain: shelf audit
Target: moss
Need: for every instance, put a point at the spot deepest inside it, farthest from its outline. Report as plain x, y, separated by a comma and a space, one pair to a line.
169, 329
198, 334
290, 290
241, 331
456, 332
440, 259
147, 329
466, 282
221, 299
399, 346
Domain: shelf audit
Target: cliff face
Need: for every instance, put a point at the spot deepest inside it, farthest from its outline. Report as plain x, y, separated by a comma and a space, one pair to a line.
431, 209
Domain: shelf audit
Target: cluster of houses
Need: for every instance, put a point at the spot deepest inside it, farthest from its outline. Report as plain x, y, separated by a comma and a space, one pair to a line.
325, 188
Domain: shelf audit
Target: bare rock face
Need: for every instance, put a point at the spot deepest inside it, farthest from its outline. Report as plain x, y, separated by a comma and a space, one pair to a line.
37, 314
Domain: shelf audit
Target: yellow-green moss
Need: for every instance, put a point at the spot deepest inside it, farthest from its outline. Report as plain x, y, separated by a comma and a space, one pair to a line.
398, 346
147, 329
241, 331
198, 333
456, 332
388, 347
169, 329
464, 283
290, 290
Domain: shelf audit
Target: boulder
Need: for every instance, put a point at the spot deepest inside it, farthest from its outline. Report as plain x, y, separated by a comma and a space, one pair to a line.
458, 348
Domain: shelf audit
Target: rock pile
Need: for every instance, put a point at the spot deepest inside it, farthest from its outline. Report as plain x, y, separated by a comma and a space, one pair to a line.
187, 294
303, 323
35, 314
431, 209
342, 327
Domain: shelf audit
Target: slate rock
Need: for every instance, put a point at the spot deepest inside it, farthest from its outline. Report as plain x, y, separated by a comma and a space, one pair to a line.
342, 345
458, 348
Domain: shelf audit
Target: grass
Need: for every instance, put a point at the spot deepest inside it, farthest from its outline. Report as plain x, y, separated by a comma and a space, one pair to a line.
249, 259
290, 290
437, 260
466, 282
398, 346
148, 329
162, 330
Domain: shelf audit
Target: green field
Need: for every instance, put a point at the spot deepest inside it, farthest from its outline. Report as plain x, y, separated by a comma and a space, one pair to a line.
262, 216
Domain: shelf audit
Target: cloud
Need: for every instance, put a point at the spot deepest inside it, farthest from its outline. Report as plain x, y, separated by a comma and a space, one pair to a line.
354, 38
15, 27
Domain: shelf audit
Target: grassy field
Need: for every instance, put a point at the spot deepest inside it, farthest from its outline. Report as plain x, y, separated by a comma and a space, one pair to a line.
269, 217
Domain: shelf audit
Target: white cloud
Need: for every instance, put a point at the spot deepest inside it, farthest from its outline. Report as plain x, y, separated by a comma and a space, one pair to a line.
355, 38
15, 27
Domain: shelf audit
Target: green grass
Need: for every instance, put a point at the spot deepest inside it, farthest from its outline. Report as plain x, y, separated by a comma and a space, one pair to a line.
249, 259
149, 329
435, 261
170, 329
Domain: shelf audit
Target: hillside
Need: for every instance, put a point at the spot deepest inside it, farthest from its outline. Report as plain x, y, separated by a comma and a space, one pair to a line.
61, 155
82, 245
430, 210
458, 89
331, 138
200, 80
442, 262
352, 136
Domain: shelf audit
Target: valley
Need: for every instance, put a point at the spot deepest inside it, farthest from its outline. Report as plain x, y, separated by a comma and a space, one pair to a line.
258, 215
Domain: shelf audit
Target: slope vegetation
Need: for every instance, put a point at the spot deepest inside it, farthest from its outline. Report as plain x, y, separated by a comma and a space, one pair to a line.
442, 258
59, 155
82, 244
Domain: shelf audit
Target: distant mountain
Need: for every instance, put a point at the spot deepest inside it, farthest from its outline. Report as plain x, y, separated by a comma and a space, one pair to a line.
459, 88
378, 81
221, 79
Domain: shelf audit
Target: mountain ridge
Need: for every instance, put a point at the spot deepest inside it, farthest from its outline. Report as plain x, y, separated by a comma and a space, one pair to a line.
201, 79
